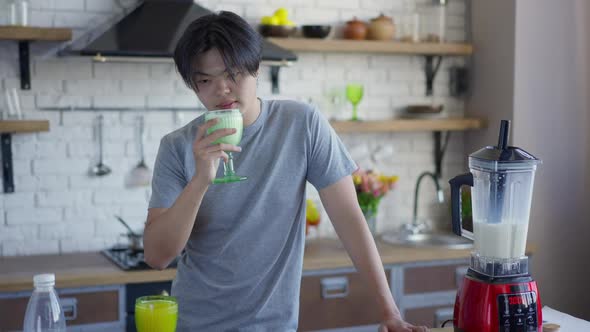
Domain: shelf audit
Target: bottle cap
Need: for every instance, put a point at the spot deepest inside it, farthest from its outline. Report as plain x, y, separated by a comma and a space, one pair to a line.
45, 279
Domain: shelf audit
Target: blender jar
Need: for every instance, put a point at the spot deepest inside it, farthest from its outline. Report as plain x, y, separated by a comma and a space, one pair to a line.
502, 178
501, 201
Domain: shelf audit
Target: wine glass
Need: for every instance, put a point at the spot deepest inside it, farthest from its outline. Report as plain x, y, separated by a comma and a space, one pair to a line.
354, 94
228, 118
156, 313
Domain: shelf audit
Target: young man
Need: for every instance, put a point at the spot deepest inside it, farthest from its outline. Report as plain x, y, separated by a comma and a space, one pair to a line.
244, 241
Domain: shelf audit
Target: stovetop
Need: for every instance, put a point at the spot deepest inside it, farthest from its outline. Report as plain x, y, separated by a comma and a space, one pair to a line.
130, 259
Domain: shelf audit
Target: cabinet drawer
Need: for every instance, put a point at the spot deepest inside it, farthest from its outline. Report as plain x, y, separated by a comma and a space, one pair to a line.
426, 279
80, 307
334, 301
428, 317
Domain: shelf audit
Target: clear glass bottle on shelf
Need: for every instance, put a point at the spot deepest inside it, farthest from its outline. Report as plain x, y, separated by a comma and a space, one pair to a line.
433, 22
16, 12
409, 28
44, 312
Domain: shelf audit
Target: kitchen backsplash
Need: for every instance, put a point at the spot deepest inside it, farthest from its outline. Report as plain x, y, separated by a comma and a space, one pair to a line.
58, 208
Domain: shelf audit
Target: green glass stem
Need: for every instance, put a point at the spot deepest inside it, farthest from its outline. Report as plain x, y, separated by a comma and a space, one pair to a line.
228, 167
354, 112
229, 175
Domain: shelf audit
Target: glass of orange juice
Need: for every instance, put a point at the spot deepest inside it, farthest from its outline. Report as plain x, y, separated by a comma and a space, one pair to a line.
156, 313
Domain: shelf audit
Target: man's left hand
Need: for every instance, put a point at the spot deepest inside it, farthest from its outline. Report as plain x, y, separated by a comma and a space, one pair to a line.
398, 325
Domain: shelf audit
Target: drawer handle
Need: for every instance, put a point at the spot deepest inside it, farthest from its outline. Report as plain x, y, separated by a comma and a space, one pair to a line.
70, 308
335, 287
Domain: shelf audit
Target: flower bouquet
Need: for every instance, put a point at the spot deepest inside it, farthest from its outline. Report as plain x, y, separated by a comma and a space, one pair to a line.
371, 187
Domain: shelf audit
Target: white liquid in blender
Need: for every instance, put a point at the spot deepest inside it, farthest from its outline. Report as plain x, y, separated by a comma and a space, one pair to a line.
502, 240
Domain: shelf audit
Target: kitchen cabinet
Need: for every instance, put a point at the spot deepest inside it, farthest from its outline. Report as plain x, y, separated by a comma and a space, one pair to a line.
430, 316
339, 299
425, 291
335, 299
85, 309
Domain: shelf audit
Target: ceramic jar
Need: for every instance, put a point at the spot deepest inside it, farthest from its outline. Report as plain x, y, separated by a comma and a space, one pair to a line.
381, 28
355, 29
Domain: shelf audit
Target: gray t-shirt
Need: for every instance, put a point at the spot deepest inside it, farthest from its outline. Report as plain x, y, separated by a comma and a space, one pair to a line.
242, 265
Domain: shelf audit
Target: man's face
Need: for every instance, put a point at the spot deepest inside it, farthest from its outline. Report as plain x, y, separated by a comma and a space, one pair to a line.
215, 87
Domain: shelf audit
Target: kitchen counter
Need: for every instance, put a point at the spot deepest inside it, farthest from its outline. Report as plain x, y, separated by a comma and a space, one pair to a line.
93, 269
330, 254
72, 270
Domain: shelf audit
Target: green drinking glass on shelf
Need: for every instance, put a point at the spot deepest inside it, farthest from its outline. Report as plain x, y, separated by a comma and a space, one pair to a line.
354, 94
228, 118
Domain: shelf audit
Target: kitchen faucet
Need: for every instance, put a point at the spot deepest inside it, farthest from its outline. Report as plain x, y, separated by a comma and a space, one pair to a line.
415, 227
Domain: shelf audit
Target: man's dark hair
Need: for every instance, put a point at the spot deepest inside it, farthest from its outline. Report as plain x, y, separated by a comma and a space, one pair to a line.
238, 43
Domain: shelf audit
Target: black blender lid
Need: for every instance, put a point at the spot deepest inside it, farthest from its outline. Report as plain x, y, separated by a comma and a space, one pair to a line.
503, 158
508, 154
502, 152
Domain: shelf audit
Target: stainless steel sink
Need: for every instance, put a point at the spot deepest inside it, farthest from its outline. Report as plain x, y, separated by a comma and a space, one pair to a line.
445, 240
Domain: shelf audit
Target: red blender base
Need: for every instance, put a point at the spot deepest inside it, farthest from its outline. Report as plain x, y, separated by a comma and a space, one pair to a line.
498, 305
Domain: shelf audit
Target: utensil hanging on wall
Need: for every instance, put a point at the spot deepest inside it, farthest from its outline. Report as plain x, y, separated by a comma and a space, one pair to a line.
100, 169
141, 175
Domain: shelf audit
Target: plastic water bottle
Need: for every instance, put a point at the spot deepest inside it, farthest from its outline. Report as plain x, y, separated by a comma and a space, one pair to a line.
44, 313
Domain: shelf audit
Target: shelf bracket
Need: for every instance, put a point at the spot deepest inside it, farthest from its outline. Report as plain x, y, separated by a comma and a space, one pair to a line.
439, 151
7, 171
24, 64
274, 79
430, 70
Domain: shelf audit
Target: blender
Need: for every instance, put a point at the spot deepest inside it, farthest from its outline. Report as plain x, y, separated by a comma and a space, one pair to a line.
497, 293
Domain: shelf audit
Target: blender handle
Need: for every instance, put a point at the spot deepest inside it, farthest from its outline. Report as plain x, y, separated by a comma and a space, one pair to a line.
456, 183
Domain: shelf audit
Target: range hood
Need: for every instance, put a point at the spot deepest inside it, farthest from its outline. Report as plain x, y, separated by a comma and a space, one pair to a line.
152, 30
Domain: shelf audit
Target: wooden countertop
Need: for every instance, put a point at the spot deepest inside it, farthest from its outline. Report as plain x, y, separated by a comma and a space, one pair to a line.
93, 269
71, 270
330, 254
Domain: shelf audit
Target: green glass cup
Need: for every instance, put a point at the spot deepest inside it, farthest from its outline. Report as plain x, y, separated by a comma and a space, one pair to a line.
354, 94
157, 313
230, 118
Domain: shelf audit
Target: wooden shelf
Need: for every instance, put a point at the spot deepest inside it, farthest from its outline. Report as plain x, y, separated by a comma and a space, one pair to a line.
25, 35
449, 124
7, 128
23, 126
372, 46
429, 51
19, 33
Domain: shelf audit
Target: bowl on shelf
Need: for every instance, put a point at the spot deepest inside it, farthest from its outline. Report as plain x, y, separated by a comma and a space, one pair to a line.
316, 31
276, 30
423, 111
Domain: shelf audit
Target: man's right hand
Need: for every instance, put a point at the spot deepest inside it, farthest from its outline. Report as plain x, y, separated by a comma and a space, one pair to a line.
206, 154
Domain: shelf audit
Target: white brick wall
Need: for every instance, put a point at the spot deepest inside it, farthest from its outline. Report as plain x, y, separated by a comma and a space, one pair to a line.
57, 207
